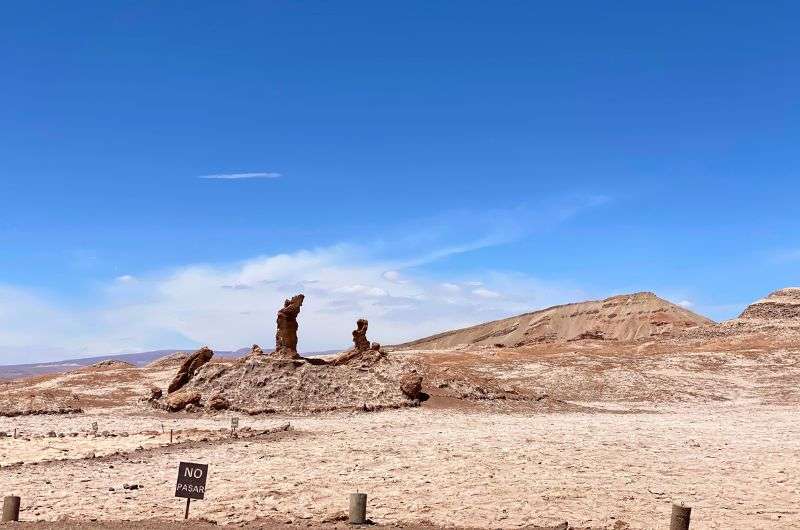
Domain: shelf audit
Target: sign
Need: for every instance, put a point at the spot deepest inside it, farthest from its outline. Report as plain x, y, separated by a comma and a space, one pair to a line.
234, 423
191, 480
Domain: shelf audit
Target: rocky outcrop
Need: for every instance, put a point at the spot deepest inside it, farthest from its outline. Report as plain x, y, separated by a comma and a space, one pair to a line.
180, 400
189, 368
218, 402
777, 315
286, 335
362, 349
262, 384
411, 385
780, 307
360, 341
255, 349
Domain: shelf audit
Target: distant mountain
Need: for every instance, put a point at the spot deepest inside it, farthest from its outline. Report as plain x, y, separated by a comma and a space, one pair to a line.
17, 371
624, 317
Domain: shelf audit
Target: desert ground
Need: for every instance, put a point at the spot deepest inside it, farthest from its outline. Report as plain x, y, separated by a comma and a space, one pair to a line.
577, 434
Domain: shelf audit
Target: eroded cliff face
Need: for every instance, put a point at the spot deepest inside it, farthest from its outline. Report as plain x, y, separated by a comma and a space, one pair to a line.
781, 307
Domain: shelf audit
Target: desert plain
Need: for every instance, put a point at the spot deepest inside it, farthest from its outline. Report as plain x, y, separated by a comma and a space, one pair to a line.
598, 416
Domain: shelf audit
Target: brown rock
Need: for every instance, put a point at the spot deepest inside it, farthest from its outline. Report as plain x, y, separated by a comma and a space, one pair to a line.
155, 394
255, 349
286, 336
411, 385
362, 349
189, 368
180, 400
360, 341
218, 402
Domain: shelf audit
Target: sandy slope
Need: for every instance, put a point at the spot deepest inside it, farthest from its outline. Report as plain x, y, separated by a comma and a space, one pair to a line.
625, 317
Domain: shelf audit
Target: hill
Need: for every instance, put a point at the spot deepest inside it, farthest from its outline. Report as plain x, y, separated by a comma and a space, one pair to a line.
622, 318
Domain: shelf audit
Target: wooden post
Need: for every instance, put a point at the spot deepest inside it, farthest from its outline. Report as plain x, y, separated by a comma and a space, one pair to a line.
680, 517
11, 509
15, 433
170, 436
358, 508
186, 515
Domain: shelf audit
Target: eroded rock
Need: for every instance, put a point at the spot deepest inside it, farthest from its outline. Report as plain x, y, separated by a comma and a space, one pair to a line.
286, 335
360, 341
362, 349
189, 368
411, 385
218, 402
182, 399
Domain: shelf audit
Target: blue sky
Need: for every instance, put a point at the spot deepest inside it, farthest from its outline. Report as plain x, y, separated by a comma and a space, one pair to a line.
422, 164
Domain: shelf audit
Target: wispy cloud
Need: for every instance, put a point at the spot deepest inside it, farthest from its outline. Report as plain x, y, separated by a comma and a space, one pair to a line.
238, 176
230, 305
227, 305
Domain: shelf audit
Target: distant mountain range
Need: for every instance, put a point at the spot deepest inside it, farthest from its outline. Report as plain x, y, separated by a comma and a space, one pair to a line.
17, 371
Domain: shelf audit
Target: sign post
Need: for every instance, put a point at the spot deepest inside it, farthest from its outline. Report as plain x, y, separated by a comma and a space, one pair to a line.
191, 483
234, 425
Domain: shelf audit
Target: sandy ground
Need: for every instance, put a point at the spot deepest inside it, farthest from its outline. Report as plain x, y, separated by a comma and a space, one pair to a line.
737, 466
599, 435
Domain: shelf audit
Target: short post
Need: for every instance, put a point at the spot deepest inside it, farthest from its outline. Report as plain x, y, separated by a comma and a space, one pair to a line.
15, 433
186, 515
358, 508
680, 517
11, 509
170, 436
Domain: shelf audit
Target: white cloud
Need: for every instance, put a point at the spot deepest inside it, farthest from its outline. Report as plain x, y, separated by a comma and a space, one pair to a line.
685, 303
450, 287
230, 306
238, 176
394, 277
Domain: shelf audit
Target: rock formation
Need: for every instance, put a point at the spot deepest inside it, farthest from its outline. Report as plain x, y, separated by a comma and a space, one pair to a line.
360, 341
286, 336
781, 307
180, 400
255, 349
411, 385
362, 349
189, 368
218, 402
777, 315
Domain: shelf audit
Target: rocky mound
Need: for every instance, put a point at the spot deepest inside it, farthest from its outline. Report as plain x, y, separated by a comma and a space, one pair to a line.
780, 308
282, 381
22, 403
777, 315
169, 360
622, 318
262, 384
